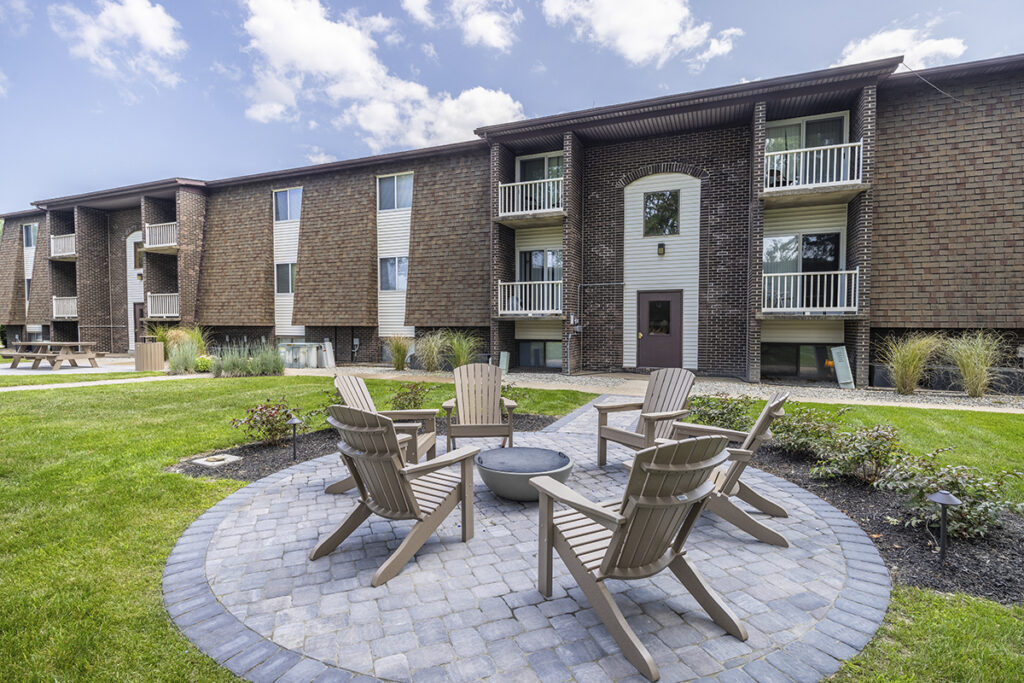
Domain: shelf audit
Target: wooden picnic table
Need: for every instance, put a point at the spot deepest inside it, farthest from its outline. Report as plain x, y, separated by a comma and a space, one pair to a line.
54, 352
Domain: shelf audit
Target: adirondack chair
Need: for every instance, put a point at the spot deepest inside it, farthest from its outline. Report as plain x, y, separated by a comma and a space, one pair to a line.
479, 402
668, 392
727, 478
637, 536
392, 489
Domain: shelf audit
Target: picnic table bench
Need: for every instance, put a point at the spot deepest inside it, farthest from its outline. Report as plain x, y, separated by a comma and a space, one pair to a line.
55, 353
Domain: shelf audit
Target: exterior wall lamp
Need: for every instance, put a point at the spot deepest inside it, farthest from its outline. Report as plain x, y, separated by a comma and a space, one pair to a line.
661, 248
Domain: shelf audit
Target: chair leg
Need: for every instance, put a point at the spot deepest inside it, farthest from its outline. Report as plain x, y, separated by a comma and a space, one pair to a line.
707, 597
769, 507
415, 539
466, 495
346, 484
545, 514
602, 443
351, 523
727, 510
603, 603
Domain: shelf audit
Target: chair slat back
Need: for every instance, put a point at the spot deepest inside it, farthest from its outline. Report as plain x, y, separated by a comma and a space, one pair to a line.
667, 390
478, 394
666, 491
370, 449
773, 409
354, 393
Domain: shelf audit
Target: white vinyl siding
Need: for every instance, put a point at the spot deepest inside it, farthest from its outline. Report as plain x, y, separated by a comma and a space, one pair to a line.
393, 226
134, 284
539, 238
679, 268
30, 252
539, 329
800, 219
802, 331
286, 250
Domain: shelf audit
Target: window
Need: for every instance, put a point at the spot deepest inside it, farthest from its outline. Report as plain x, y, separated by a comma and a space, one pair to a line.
803, 253
285, 278
540, 265
31, 231
540, 354
661, 213
138, 255
807, 361
288, 204
394, 192
659, 317
813, 131
394, 273
28, 286
539, 167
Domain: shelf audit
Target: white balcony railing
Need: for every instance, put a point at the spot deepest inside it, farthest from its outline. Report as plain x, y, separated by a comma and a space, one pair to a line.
62, 245
829, 292
531, 196
163, 305
161, 235
813, 166
65, 307
530, 298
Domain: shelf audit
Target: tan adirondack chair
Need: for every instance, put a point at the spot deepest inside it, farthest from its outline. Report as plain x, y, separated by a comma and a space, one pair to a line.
478, 401
727, 478
392, 489
668, 392
354, 393
637, 536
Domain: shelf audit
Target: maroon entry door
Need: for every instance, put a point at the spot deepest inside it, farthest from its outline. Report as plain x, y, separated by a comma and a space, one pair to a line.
659, 335
140, 311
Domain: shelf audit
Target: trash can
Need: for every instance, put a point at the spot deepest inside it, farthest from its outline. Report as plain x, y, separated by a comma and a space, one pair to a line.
149, 355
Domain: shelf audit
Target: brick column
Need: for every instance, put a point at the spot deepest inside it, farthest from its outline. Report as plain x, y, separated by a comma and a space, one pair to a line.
756, 231
503, 246
93, 278
191, 215
858, 238
40, 305
572, 248
12, 279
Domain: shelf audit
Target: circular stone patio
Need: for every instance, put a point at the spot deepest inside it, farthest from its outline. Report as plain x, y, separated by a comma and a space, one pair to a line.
240, 586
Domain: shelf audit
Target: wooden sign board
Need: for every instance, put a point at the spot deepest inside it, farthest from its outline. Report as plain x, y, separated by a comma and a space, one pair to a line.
843, 372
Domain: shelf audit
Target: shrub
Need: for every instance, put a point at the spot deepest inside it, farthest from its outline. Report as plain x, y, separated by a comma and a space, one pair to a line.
399, 349
515, 393
431, 350
266, 360
204, 363
806, 432
243, 361
721, 411
410, 396
907, 358
976, 355
864, 453
230, 361
982, 499
462, 347
266, 422
182, 359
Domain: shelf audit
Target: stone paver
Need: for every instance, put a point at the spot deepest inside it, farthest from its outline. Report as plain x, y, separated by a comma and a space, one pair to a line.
239, 586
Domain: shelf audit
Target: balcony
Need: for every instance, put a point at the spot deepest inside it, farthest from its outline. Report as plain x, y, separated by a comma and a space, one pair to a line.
530, 299
65, 307
813, 175
62, 247
161, 237
166, 306
807, 294
531, 203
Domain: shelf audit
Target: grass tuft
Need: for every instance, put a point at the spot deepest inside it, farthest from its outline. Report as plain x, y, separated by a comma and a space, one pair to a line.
907, 359
976, 355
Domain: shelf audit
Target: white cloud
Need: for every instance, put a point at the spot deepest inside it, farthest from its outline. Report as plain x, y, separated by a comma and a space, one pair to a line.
490, 23
3, 84
429, 52
228, 71
419, 10
642, 31
16, 15
918, 48
303, 54
313, 125
539, 67
126, 38
318, 156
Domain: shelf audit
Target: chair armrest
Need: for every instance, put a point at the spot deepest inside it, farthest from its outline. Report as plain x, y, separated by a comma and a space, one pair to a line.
403, 438
618, 407
691, 429
410, 428
453, 458
417, 414
448, 406
740, 455
666, 415
509, 404
565, 495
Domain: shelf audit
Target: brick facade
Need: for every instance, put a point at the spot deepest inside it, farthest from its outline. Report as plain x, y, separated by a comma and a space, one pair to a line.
12, 274
93, 277
503, 253
755, 249
190, 209
573, 165
40, 303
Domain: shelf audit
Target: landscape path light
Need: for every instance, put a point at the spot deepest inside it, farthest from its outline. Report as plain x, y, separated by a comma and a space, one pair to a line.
944, 499
295, 422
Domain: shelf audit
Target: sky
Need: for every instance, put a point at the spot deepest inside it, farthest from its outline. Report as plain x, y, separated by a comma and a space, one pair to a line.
101, 93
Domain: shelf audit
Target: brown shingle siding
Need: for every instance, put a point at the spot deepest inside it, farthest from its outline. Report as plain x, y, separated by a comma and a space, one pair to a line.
12, 273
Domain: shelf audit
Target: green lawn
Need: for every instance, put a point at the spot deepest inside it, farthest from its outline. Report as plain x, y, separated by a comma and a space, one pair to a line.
89, 516
26, 380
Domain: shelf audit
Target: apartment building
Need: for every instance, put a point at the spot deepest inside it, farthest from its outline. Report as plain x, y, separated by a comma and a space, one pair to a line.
741, 231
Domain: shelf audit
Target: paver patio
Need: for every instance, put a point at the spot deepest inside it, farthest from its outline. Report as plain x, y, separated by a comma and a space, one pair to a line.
239, 585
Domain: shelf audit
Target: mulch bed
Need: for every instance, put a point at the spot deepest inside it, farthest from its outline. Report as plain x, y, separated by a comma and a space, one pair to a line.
259, 460
989, 568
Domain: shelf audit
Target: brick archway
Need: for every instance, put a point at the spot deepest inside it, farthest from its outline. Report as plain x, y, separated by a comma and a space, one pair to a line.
694, 170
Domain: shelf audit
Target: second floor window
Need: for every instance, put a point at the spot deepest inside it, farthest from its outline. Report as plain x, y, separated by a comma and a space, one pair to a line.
288, 204
285, 278
661, 213
28, 287
394, 192
31, 232
394, 274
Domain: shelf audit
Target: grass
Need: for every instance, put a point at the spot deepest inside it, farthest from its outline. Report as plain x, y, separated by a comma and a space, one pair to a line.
28, 380
930, 636
89, 517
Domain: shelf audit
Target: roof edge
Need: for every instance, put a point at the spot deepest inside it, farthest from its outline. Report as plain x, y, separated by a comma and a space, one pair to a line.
959, 70
19, 214
114, 192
